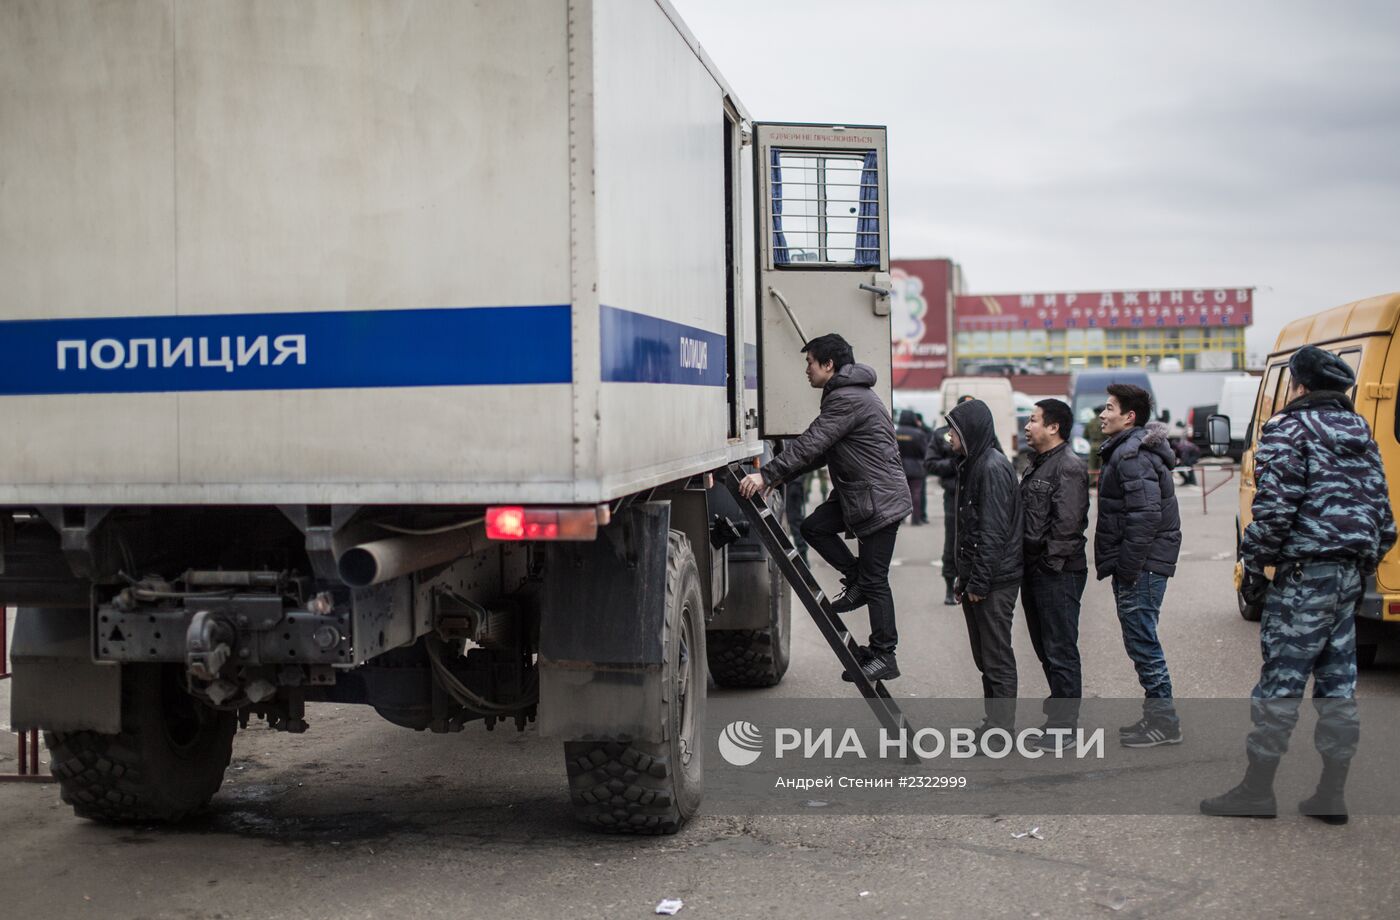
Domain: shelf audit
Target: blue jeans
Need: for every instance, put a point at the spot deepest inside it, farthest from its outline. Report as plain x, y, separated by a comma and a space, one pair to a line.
1139, 606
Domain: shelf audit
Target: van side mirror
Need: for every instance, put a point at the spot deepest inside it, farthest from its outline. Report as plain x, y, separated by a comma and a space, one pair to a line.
1218, 434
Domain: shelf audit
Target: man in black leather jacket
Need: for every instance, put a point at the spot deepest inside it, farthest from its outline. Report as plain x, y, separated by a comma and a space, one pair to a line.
988, 555
854, 438
1055, 496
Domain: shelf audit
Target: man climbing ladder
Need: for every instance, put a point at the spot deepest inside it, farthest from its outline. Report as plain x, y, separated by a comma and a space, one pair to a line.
854, 437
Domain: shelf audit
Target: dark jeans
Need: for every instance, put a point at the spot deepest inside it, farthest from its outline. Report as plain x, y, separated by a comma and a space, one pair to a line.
795, 506
916, 492
1139, 606
1051, 601
870, 571
989, 632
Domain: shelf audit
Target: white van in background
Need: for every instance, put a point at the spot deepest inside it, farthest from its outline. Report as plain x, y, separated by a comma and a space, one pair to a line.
996, 392
1237, 397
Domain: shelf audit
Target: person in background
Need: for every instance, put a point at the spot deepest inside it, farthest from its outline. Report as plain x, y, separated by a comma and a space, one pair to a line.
923, 492
913, 444
1187, 456
1093, 433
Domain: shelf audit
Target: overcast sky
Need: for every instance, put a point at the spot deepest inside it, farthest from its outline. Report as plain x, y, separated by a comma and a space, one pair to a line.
1077, 145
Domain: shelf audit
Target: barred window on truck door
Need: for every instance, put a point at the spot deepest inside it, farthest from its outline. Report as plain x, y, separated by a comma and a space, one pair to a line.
825, 209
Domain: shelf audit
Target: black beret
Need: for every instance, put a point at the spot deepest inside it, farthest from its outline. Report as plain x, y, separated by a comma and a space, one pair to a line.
1316, 369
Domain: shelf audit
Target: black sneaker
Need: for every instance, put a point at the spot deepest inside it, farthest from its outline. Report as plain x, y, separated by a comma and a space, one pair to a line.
881, 666
863, 654
849, 600
1154, 734
1055, 743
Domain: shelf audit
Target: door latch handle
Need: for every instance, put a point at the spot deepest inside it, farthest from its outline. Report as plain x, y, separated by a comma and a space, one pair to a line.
877, 291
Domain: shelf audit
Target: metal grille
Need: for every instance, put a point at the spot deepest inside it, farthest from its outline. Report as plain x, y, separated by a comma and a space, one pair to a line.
824, 208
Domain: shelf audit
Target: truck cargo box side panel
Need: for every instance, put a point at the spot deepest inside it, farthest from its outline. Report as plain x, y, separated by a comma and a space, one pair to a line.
195, 162
368, 154
87, 205
661, 247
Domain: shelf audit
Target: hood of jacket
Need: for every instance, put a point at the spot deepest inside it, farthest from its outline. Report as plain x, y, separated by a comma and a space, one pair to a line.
1330, 417
1154, 437
852, 375
973, 422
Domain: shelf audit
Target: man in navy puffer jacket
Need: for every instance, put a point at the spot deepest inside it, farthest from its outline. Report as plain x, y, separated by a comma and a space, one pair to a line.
1136, 545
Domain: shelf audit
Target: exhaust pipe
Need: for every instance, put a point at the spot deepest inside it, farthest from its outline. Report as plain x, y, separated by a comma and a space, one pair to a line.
381, 560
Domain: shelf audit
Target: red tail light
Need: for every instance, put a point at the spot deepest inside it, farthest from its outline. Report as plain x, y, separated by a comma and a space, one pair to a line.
513, 522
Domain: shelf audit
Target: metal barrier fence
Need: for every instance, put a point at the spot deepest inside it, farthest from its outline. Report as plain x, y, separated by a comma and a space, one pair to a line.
29, 740
1199, 470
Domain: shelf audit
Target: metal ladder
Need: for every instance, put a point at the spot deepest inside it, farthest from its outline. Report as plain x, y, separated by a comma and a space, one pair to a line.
805, 586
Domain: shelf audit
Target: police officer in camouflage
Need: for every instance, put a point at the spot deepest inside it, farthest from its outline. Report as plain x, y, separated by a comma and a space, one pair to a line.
1322, 519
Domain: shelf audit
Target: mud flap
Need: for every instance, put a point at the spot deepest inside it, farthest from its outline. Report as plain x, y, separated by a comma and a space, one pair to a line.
57, 685
601, 631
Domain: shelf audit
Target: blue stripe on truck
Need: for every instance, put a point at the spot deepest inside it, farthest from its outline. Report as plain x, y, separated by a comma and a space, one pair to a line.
453, 346
637, 348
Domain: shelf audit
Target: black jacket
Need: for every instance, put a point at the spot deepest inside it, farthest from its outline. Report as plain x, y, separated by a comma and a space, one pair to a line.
1055, 495
854, 438
989, 505
913, 444
940, 460
1139, 523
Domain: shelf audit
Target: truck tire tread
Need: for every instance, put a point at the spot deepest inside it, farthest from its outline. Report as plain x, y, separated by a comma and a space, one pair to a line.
743, 658
134, 776
624, 786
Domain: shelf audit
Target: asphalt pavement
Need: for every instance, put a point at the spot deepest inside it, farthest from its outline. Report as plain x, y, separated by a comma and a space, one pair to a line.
358, 818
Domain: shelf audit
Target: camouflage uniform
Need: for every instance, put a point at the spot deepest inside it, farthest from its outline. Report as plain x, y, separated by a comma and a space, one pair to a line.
1322, 518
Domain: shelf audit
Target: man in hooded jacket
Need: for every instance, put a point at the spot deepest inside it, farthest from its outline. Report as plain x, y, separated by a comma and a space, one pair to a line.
854, 438
988, 555
1322, 520
942, 461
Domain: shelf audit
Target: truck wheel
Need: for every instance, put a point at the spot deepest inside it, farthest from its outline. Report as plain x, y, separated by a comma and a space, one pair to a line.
166, 764
1251, 612
1366, 655
755, 657
639, 787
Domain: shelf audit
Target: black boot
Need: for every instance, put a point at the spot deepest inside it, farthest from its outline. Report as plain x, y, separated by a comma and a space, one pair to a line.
1252, 798
1327, 804
948, 600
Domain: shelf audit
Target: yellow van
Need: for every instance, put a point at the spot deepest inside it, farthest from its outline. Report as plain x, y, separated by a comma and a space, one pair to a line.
1364, 334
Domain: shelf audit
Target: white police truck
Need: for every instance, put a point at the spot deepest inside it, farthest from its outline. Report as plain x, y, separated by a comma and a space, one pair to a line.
382, 353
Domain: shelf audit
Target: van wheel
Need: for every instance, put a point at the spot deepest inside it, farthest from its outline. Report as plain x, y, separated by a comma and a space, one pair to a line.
1251, 612
625, 786
1366, 655
164, 765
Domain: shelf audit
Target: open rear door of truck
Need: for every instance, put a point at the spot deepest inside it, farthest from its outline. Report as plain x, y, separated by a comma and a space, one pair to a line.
823, 259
